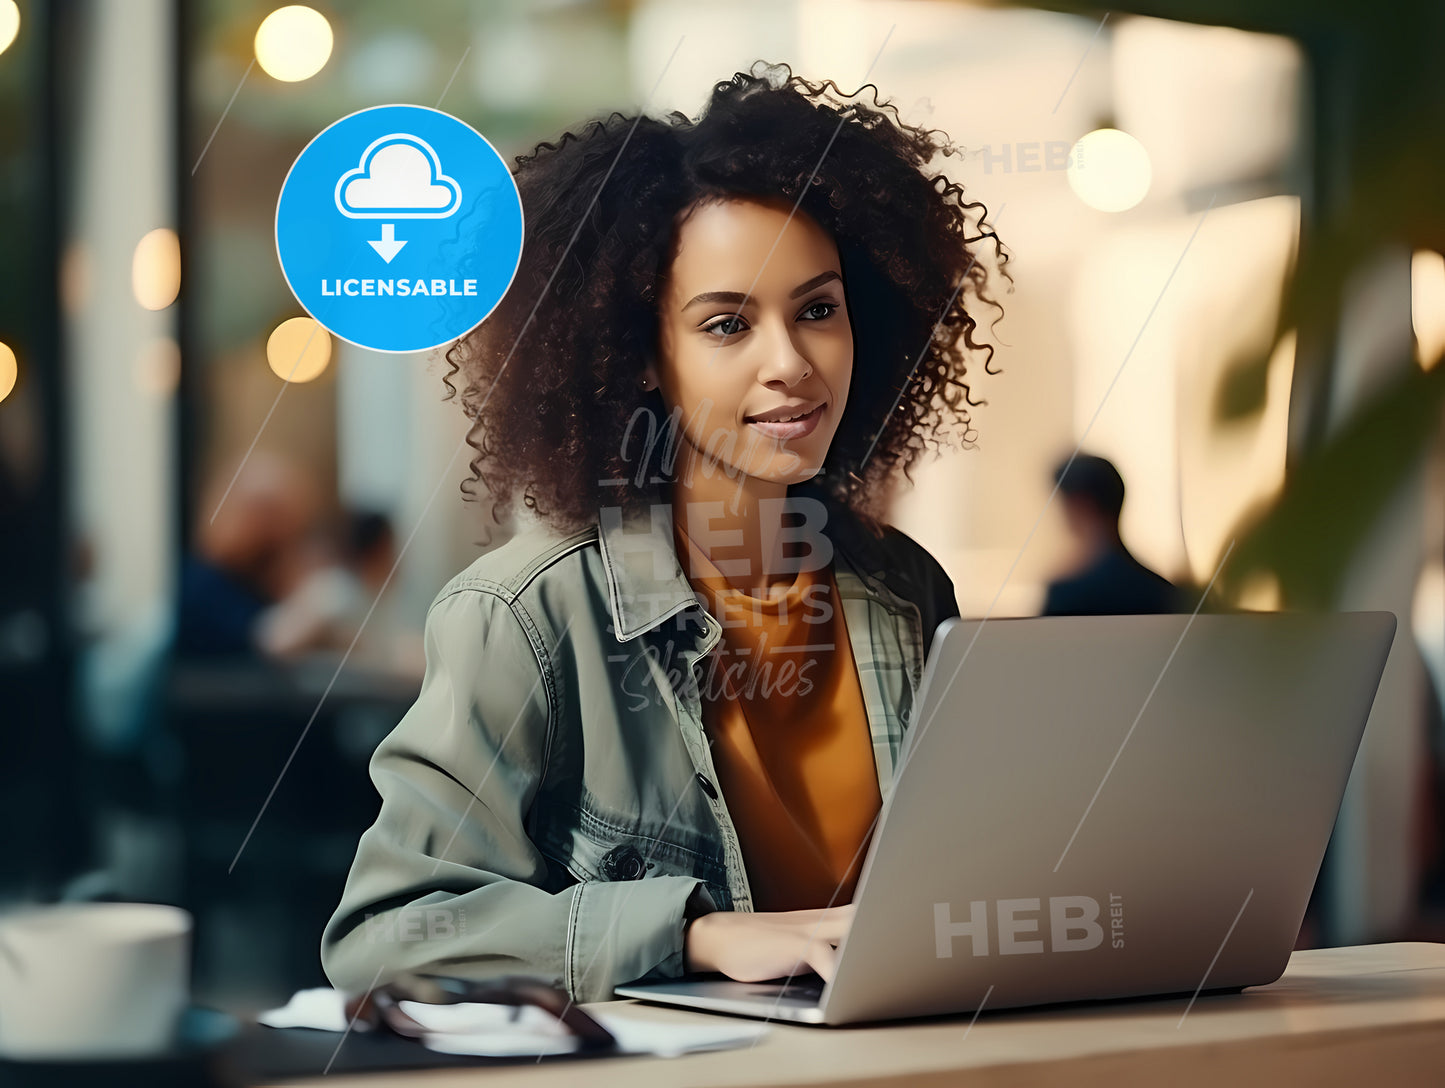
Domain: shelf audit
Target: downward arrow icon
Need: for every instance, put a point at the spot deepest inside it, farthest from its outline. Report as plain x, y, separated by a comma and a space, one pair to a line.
388, 247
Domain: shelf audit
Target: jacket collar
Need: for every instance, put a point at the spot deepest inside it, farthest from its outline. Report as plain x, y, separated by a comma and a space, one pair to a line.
645, 582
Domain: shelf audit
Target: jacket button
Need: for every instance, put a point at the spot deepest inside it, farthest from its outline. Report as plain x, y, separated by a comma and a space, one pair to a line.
623, 863
707, 786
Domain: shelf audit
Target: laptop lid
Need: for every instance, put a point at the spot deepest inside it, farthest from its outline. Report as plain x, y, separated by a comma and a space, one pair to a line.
1096, 807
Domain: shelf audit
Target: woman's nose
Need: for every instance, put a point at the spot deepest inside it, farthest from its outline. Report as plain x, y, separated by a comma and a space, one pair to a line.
782, 361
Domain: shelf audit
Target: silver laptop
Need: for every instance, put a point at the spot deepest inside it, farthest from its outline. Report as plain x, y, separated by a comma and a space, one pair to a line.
1094, 807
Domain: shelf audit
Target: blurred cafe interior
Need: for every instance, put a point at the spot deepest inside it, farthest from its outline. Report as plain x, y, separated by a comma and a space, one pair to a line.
1225, 236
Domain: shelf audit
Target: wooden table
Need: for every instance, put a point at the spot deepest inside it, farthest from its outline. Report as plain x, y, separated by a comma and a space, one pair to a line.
1372, 1015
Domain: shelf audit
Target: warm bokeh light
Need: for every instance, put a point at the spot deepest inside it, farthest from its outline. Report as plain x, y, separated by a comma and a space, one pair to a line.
1427, 615
9, 23
293, 43
1109, 170
9, 370
1427, 305
298, 349
155, 270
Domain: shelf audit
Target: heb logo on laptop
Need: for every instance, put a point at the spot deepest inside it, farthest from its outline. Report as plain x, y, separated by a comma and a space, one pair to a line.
1074, 925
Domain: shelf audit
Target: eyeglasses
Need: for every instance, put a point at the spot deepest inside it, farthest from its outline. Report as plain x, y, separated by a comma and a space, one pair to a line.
382, 1005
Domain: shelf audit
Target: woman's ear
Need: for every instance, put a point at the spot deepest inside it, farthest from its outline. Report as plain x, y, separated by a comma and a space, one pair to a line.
649, 376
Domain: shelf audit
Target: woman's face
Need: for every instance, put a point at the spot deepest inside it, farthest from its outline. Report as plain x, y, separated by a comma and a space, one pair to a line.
737, 368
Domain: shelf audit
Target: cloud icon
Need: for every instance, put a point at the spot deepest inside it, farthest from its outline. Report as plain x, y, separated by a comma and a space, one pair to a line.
400, 177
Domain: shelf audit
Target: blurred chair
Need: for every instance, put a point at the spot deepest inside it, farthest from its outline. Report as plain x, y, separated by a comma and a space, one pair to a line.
238, 725
131, 763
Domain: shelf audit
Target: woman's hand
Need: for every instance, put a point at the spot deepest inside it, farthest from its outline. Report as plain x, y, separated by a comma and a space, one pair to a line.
752, 947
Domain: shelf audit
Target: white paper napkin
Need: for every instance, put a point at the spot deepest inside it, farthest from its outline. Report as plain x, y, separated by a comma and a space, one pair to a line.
322, 1008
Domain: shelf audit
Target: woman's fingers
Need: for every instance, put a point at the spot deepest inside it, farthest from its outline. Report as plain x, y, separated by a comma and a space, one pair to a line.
756, 946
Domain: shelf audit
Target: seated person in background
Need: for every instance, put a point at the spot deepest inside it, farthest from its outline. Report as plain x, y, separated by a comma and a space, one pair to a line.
656, 726
342, 601
248, 553
1109, 581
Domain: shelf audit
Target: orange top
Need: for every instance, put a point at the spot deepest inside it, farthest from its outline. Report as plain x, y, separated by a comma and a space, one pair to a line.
789, 734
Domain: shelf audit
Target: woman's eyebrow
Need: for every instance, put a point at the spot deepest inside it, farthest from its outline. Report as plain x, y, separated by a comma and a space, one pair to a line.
739, 297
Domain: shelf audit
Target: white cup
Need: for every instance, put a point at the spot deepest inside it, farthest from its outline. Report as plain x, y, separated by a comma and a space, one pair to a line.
91, 980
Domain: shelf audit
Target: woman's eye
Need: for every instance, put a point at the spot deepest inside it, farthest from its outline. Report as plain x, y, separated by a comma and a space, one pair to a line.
724, 327
729, 326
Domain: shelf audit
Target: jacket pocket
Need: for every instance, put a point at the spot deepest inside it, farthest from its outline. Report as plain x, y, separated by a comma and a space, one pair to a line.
593, 856
591, 853
593, 847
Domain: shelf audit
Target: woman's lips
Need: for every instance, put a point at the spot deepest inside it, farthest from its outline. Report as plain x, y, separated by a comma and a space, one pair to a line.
793, 428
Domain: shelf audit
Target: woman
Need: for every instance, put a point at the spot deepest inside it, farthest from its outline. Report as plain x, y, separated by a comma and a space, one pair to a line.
654, 733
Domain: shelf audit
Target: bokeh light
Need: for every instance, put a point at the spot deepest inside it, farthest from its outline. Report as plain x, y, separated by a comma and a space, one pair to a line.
9, 23
1427, 305
155, 271
9, 370
1109, 170
298, 349
293, 43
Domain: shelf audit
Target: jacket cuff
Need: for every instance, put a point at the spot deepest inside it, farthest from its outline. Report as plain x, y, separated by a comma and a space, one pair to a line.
628, 930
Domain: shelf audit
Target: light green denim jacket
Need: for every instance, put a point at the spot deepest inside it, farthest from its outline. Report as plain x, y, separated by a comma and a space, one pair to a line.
549, 803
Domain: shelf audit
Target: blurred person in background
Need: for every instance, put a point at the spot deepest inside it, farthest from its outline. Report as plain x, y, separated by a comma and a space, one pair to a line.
1106, 579
249, 554
343, 600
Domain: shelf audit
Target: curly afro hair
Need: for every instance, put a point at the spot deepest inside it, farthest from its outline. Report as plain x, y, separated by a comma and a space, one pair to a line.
552, 379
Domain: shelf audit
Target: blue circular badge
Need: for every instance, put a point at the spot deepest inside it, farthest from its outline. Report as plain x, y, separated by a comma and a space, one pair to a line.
399, 228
